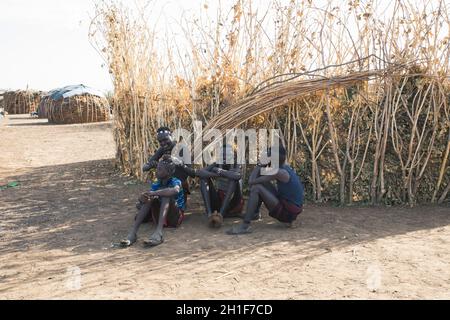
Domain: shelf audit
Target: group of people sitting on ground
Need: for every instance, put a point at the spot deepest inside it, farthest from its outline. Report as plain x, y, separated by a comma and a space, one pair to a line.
281, 191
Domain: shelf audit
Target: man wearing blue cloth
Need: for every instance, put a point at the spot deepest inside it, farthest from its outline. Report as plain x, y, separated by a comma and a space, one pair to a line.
284, 200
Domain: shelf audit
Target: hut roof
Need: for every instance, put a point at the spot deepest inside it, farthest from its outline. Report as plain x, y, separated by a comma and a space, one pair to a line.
75, 90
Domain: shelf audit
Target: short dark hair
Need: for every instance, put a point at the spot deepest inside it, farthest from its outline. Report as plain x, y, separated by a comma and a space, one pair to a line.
169, 164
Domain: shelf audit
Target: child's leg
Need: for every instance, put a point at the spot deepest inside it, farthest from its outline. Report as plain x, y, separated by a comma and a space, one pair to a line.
141, 216
157, 237
175, 217
139, 206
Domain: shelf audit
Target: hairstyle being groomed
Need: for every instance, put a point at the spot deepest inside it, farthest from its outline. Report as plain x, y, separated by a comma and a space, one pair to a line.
169, 164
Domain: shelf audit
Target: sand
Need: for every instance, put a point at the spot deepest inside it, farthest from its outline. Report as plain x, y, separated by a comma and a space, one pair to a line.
58, 231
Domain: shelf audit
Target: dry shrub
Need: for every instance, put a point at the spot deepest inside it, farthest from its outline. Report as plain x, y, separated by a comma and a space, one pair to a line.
383, 140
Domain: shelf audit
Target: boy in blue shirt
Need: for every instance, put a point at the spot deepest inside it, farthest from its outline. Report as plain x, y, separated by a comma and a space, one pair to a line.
165, 202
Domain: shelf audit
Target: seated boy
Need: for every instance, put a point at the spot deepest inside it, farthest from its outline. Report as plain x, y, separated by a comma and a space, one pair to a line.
284, 202
165, 203
223, 200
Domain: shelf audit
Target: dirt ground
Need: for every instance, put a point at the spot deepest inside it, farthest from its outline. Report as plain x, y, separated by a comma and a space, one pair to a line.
59, 226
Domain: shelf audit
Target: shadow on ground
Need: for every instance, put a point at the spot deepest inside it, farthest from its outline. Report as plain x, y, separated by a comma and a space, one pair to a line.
25, 120
33, 124
86, 207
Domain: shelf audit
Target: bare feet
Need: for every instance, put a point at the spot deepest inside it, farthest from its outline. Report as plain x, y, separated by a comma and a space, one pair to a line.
215, 220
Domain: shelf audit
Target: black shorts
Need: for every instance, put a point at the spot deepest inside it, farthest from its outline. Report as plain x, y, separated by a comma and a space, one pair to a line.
217, 198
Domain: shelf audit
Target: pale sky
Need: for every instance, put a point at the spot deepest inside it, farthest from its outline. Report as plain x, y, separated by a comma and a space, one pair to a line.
44, 44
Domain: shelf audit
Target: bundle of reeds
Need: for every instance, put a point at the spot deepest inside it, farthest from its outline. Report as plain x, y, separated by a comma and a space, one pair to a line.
281, 95
21, 101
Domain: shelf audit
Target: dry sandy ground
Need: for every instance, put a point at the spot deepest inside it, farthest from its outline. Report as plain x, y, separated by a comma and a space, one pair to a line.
58, 228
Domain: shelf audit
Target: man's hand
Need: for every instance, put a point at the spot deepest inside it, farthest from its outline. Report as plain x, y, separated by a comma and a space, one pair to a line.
148, 166
207, 172
176, 161
261, 165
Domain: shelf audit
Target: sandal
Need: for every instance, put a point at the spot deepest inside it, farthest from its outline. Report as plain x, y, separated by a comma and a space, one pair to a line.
239, 230
153, 242
126, 243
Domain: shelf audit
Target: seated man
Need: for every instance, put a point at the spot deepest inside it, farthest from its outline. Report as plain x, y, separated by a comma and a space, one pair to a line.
165, 203
285, 202
167, 144
224, 200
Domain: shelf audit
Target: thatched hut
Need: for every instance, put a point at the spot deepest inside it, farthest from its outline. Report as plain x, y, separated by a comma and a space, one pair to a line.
2, 100
74, 104
21, 101
42, 108
44, 104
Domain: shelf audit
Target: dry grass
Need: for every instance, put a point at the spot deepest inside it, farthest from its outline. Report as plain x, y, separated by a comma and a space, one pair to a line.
381, 138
